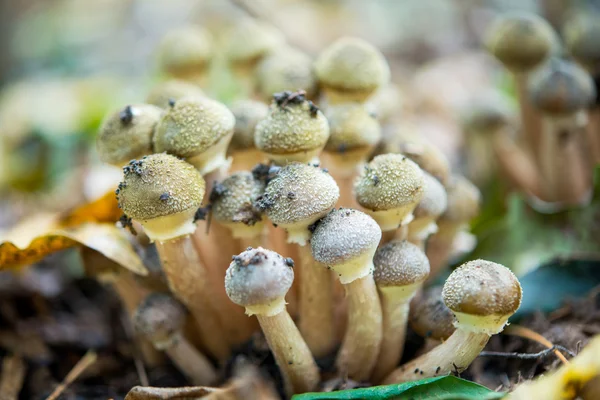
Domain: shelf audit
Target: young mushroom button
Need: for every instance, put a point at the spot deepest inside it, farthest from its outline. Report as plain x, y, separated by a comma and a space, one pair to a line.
433, 204
165, 94
185, 53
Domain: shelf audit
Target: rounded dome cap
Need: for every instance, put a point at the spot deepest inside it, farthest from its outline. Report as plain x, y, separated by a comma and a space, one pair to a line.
184, 50
251, 39
258, 277
235, 204
520, 41
482, 288
464, 200
192, 125
127, 134
400, 263
164, 93
488, 112
351, 126
159, 185
247, 113
352, 65
389, 181
159, 316
434, 201
429, 316
581, 36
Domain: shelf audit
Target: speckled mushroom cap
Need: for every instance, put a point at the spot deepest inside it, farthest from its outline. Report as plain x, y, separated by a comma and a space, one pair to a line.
184, 50
561, 88
299, 195
259, 279
520, 41
345, 241
400, 263
247, 114
250, 40
482, 289
352, 66
159, 317
194, 128
351, 126
285, 69
292, 132
127, 133
582, 35
234, 207
434, 201
429, 316
464, 200
172, 90
157, 186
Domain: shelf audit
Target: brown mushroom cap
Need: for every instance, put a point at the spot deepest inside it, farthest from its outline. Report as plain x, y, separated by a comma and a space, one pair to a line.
236, 204
184, 50
520, 41
351, 126
127, 133
192, 125
159, 185
258, 277
429, 316
159, 317
250, 40
164, 93
582, 35
487, 112
561, 88
400, 263
389, 181
464, 200
352, 65
482, 288
247, 113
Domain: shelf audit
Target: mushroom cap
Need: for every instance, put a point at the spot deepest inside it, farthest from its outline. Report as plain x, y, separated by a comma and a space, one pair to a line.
192, 126
127, 134
292, 128
351, 126
482, 288
387, 102
240, 192
582, 35
352, 64
389, 181
342, 235
258, 276
487, 112
159, 316
159, 185
434, 201
520, 41
173, 89
185, 49
285, 69
247, 114
561, 87
429, 316
251, 39
400, 263
299, 192
464, 200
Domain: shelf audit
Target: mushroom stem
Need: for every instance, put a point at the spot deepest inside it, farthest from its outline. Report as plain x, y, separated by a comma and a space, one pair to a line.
362, 340
593, 135
316, 322
299, 374
189, 361
188, 280
530, 118
453, 355
395, 315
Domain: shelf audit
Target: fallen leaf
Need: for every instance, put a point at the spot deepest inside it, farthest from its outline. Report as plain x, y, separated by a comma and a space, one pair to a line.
104, 209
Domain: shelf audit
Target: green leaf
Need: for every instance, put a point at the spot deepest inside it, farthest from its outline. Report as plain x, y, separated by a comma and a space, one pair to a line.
438, 388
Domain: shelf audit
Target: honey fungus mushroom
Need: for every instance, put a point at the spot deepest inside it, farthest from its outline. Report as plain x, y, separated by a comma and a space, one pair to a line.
429, 316
294, 130
165, 93
433, 204
248, 113
127, 133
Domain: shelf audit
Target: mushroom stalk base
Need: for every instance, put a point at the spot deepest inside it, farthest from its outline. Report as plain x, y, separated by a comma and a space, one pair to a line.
362, 340
453, 355
317, 324
299, 370
191, 362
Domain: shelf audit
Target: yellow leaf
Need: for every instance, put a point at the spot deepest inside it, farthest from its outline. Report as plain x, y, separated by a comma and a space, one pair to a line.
104, 209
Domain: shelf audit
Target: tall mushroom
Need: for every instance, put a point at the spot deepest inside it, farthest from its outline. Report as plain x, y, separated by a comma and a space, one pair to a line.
345, 242
482, 295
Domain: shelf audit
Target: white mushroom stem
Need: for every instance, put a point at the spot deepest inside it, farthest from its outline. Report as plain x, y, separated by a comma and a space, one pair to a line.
299, 370
362, 340
316, 321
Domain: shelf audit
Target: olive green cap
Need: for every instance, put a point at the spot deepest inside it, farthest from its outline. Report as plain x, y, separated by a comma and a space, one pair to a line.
164, 93
351, 126
582, 35
127, 133
184, 50
237, 195
247, 113
400, 263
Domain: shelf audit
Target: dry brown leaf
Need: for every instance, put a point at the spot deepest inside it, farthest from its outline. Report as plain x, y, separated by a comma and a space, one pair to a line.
154, 393
103, 209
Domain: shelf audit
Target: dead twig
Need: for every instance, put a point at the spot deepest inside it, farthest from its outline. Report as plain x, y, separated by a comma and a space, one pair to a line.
13, 373
88, 359
526, 356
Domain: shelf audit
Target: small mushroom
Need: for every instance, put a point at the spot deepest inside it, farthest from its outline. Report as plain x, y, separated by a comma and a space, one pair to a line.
166, 94
389, 188
258, 279
482, 295
400, 270
127, 133
247, 114
163, 193
351, 69
345, 242
429, 316
161, 319
433, 204
294, 129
